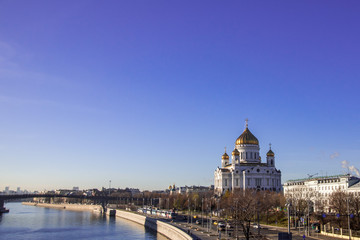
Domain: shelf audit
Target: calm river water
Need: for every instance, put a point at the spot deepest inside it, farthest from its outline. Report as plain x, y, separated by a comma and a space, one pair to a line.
29, 222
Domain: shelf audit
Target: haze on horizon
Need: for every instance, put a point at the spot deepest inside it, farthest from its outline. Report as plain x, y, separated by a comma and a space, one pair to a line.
148, 94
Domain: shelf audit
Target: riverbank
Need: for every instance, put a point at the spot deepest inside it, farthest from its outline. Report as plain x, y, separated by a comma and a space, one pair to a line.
72, 207
163, 228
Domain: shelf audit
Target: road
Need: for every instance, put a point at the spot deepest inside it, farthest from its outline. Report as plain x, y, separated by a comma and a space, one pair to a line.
201, 231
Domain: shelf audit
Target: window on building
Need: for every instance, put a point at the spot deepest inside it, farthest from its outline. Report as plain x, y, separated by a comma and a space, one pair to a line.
237, 182
246, 155
267, 181
251, 154
241, 155
249, 181
258, 181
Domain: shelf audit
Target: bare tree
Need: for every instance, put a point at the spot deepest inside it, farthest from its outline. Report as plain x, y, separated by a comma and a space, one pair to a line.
338, 204
243, 207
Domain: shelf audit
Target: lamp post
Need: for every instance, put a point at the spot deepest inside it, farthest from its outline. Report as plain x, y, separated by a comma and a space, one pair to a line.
348, 216
188, 210
288, 205
202, 212
308, 218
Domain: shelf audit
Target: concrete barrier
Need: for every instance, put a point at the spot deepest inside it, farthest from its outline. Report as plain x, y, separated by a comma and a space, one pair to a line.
163, 228
339, 236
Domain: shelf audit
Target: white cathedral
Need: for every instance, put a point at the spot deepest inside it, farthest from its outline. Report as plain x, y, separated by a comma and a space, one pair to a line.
246, 171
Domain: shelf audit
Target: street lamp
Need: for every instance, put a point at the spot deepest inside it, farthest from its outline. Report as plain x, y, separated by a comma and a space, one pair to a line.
348, 216
188, 210
202, 212
288, 205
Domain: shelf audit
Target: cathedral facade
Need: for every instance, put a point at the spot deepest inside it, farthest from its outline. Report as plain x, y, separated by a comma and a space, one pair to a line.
245, 170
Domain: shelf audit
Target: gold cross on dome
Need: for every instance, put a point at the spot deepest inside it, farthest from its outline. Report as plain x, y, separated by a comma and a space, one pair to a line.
246, 122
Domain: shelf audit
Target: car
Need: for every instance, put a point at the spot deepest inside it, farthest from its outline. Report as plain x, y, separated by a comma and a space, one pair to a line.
221, 226
256, 226
228, 226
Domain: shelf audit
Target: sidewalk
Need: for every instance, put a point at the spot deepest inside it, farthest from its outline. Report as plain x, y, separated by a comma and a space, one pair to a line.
300, 234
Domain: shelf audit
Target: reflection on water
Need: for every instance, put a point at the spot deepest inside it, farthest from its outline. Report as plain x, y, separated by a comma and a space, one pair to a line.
28, 222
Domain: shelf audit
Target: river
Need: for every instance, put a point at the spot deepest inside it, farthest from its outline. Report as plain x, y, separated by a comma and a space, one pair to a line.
29, 222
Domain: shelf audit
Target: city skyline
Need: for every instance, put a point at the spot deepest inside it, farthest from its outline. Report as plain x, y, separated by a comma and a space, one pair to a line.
148, 94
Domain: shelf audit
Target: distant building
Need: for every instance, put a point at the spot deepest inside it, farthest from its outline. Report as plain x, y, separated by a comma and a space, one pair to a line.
246, 171
319, 189
133, 190
189, 189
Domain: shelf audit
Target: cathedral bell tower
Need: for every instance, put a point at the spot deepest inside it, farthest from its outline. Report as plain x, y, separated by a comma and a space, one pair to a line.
270, 157
235, 159
224, 159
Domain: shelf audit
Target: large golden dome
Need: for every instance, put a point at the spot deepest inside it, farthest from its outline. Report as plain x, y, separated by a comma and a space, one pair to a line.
247, 138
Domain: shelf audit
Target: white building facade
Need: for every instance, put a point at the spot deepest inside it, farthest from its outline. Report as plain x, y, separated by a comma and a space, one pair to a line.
318, 190
246, 171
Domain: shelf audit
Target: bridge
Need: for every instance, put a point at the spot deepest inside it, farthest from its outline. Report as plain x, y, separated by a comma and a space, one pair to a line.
102, 199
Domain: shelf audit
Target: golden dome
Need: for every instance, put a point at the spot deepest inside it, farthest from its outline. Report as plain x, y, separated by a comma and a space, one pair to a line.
270, 153
235, 152
225, 156
247, 138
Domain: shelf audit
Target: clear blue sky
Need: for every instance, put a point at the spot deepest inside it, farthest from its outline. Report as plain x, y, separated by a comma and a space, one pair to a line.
148, 93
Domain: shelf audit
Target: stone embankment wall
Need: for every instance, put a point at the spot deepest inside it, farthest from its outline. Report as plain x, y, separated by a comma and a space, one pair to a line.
161, 227
73, 207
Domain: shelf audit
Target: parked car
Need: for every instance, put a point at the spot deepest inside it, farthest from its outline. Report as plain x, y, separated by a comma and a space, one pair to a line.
256, 226
229, 226
221, 226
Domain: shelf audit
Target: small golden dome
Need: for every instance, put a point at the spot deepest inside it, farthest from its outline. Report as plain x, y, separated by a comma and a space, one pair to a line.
225, 156
270, 153
247, 138
259, 158
235, 152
